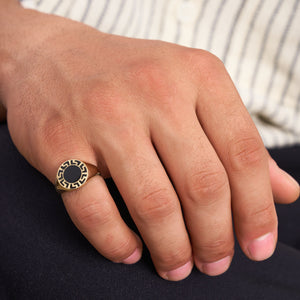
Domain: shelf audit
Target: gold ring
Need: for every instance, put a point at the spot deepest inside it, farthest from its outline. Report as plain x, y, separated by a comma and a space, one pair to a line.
73, 174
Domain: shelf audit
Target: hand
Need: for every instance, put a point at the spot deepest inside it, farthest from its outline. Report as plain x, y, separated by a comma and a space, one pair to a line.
168, 125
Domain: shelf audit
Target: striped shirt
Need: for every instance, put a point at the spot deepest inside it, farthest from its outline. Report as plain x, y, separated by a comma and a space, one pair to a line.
258, 41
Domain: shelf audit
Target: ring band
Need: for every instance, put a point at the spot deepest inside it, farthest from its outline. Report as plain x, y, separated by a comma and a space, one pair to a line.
73, 174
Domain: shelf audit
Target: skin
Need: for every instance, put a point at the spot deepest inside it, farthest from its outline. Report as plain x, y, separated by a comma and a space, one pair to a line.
164, 121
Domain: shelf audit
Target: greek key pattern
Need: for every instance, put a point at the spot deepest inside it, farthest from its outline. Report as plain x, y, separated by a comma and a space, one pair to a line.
75, 185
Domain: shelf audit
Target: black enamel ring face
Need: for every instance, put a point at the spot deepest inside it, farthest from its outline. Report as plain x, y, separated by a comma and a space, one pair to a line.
71, 175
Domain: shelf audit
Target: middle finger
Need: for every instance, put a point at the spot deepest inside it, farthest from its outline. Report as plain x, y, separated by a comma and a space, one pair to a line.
152, 202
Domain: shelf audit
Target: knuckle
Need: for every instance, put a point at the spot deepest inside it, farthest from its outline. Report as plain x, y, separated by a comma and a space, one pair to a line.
54, 131
260, 216
94, 214
173, 258
127, 133
205, 64
148, 72
247, 152
214, 250
203, 186
211, 61
155, 205
57, 135
117, 250
152, 78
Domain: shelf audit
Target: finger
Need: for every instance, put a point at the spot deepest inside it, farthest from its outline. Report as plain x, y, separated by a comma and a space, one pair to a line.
152, 202
202, 185
285, 188
91, 207
245, 159
95, 214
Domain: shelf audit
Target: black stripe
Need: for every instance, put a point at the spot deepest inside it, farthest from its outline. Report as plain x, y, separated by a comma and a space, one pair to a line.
261, 52
131, 17
232, 29
246, 41
214, 24
151, 15
198, 21
86, 11
102, 15
117, 18
278, 52
55, 8
163, 19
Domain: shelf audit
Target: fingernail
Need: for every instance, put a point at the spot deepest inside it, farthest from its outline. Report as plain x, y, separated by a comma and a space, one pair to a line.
262, 247
179, 273
133, 258
215, 268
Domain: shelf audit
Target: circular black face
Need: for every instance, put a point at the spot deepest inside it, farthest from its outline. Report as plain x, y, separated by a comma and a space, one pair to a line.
72, 174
